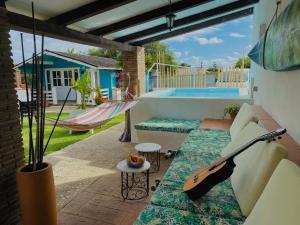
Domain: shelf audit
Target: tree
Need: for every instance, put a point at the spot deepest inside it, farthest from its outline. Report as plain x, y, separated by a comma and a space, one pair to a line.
71, 50
83, 86
151, 51
107, 53
212, 69
239, 63
185, 64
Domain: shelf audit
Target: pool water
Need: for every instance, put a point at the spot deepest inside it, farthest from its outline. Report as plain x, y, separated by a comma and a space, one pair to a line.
203, 92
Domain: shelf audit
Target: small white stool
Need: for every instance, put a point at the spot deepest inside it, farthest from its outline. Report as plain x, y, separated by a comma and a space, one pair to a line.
134, 181
152, 153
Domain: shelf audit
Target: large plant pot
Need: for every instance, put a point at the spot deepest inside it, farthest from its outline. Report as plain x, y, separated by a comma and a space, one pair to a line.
37, 196
232, 115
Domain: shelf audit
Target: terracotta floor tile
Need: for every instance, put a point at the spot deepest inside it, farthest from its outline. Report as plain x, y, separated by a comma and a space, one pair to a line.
88, 183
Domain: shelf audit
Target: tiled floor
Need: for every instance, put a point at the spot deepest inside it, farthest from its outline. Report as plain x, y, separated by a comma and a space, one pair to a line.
216, 124
88, 185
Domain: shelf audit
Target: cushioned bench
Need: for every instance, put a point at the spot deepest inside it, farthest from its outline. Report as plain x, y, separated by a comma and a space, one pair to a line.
228, 202
168, 124
169, 133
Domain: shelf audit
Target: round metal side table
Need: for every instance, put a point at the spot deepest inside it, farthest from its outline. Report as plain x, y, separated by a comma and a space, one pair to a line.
152, 153
134, 181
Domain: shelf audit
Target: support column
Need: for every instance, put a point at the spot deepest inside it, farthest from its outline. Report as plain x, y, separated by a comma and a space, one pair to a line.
11, 147
134, 64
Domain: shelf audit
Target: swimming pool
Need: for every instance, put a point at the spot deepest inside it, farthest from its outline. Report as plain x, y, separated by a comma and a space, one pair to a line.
198, 92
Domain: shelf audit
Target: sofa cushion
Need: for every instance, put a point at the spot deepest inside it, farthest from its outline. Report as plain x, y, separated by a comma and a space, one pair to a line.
220, 201
186, 164
244, 116
280, 202
199, 141
254, 166
157, 215
169, 124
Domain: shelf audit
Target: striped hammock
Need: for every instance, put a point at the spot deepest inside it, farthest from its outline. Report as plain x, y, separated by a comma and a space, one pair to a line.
96, 117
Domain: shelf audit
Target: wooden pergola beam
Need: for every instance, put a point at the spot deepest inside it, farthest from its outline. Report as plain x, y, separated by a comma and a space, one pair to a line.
24, 23
147, 16
190, 19
212, 22
86, 11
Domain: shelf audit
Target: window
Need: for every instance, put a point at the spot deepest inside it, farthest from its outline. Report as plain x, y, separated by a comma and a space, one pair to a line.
56, 76
49, 88
68, 77
76, 74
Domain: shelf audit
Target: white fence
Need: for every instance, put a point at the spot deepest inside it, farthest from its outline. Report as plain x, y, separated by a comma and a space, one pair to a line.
91, 99
162, 76
51, 96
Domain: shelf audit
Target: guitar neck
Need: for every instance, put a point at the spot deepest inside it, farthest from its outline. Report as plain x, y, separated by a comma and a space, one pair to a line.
266, 137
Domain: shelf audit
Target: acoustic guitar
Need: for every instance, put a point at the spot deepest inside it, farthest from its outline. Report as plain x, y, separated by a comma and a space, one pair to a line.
202, 181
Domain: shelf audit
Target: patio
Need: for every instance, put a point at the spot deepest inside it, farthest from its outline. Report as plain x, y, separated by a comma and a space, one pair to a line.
88, 184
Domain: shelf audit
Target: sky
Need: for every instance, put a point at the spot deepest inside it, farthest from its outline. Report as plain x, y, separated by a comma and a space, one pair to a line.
222, 44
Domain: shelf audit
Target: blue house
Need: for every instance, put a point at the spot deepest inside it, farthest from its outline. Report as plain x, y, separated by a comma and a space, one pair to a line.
61, 68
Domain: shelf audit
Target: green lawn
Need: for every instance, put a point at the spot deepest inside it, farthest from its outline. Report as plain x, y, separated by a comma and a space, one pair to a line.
61, 137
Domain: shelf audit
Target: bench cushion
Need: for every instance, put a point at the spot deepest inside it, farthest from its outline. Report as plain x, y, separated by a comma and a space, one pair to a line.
157, 215
168, 124
280, 202
244, 116
220, 201
195, 153
254, 166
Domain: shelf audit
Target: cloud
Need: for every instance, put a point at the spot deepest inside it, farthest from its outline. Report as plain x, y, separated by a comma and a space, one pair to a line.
208, 41
197, 61
178, 54
231, 59
236, 35
181, 38
186, 53
50, 44
193, 35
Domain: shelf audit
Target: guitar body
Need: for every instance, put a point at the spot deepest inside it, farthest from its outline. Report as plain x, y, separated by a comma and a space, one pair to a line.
202, 181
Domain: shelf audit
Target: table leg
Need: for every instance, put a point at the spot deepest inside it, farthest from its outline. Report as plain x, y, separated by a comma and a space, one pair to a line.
147, 182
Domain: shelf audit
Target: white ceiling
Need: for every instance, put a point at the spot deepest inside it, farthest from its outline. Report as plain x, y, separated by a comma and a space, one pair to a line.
162, 20
46, 9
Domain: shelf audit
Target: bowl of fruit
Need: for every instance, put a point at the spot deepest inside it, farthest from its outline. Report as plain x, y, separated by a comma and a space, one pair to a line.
135, 161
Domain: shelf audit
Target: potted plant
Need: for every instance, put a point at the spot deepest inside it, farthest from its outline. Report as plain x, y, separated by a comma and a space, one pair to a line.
232, 110
83, 86
98, 97
35, 181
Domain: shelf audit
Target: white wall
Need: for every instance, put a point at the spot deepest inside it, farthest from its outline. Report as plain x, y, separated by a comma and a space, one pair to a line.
278, 92
179, 108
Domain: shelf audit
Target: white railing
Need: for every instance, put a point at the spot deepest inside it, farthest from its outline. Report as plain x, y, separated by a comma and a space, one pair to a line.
232, 77
91, 99
162, 76
51, 96
105, 92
